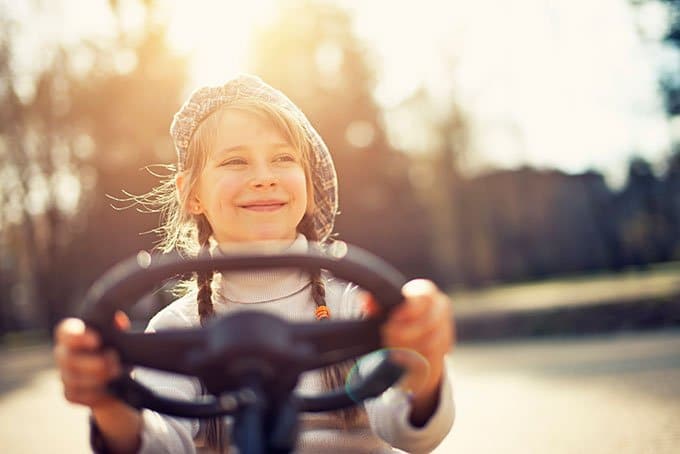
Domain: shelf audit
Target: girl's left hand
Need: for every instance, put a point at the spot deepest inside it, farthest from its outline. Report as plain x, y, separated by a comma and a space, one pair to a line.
419, 333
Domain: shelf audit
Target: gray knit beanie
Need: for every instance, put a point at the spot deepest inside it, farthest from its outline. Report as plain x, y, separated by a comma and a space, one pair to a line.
207, 100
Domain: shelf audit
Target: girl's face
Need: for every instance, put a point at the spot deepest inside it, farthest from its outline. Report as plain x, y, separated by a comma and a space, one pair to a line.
253, 185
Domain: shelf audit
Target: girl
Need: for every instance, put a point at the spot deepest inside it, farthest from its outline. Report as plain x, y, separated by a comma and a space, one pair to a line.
253, 171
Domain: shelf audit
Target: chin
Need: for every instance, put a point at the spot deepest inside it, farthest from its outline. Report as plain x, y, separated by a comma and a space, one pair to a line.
270, 235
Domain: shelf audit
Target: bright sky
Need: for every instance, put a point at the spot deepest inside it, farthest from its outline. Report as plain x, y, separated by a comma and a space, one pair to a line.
565, 84
562, 84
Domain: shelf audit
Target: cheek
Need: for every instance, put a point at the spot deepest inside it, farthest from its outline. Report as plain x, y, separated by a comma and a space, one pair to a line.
216, 195
300, 183
226, 189
297, 185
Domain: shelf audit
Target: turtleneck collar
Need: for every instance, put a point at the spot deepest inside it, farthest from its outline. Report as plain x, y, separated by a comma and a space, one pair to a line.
250, 287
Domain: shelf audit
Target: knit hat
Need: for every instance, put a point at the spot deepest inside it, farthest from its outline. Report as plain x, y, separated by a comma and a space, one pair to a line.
207, 100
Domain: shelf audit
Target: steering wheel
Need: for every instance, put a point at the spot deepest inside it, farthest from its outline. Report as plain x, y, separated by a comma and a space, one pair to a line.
249, 362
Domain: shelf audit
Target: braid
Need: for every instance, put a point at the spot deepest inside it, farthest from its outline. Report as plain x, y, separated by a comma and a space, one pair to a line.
204, 280
319, 295
215, 437
318, 287
333, 376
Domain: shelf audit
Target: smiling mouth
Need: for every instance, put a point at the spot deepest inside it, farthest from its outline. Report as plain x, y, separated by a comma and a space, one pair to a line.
264, 206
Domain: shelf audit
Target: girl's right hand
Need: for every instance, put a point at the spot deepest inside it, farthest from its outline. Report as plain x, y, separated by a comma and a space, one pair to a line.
85, 368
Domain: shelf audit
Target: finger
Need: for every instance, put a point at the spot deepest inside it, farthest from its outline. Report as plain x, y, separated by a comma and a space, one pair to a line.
89, 381
121, 321
417, 368
61, 353
73, 333
369, 305
408, 334
419, 295
86, 396
421, 338
425, 343
99, 366
435, 315
437, 345
419, 287
83, 382
412, 359
412, 309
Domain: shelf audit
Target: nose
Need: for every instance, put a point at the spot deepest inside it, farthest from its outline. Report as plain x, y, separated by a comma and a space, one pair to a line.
263, 178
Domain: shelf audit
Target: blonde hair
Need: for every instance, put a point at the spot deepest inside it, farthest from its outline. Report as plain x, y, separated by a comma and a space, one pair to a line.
188, 233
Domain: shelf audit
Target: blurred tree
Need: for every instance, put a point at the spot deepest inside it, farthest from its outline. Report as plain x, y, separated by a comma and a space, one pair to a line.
13, 189
31, 221
124, 113
661, 215
310, 52
643, 222
442, 140
86, 132
530, 223
127, 128
669, 81
453, 128
671, 200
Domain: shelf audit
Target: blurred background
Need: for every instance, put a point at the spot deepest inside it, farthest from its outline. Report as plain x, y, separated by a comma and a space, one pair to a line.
525, 155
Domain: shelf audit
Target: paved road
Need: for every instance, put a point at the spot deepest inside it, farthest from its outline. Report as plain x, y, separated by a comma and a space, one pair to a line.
608, 394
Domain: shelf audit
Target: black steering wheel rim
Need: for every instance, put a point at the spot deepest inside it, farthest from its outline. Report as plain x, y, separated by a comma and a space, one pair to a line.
121, 287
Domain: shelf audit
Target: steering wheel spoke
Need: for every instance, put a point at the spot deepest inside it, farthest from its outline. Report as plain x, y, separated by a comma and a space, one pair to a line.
347, 339
381, 377
169, 350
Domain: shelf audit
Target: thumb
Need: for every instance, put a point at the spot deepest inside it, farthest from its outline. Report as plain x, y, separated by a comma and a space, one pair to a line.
121, 321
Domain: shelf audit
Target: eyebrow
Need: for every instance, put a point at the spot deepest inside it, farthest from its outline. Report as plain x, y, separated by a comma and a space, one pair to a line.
247, 147
241, 147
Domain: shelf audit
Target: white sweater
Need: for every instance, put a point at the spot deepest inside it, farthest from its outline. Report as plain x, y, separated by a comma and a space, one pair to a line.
386, 425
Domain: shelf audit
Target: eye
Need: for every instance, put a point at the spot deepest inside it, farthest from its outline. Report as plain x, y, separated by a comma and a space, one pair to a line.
233, 162
285, 157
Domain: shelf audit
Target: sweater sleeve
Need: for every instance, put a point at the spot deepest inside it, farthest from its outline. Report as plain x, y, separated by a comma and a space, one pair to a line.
388, 414
162, 433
